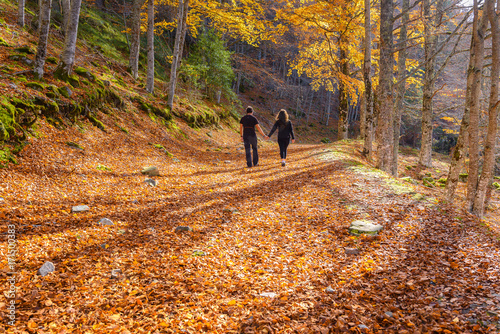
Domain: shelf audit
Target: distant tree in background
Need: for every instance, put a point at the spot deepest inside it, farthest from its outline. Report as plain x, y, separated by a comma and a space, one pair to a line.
67, 58
45, 6
150, 78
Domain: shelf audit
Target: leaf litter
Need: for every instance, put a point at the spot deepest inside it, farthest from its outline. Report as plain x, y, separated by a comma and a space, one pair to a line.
268, 250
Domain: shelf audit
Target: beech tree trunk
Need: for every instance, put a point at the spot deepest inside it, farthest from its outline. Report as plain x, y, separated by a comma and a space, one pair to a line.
430, 47
328, 107
20, 13
135, 36
401, 83
41, 52
343, 123
150, 79
180, 36
367, 105
385, 138
472, 180
474, 73
489, 146
65, 66
66, 7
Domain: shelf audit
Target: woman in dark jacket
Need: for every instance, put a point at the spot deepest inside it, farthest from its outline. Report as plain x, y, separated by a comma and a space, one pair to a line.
285, 132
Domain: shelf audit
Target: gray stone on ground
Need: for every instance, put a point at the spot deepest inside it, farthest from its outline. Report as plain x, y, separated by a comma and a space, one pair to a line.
80, 208
359, 227
106, 222
183, 229
151, 182
46, 268
65, 91
191, 182
352, 251
115, 273
268, 294
329, 290
151, 171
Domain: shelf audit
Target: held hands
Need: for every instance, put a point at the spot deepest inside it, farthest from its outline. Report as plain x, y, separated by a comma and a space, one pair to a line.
293, 141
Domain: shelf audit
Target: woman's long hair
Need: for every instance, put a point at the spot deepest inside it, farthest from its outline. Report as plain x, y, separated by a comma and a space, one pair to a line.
282, 117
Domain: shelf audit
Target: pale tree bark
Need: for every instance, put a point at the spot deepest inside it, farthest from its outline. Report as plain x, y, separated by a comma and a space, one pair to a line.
65, 66
367, 105
472, 180
150, 79
20, 13
401, 83
328, 107
135, 36
41, 52
430, 47
474, 72
180, 36
66, 7
343, 123
385, 101
489, 146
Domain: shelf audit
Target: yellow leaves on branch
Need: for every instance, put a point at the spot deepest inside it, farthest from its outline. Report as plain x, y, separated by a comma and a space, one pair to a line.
244, 20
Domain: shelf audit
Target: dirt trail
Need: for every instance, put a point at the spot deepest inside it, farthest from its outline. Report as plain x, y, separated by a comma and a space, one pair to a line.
267, 250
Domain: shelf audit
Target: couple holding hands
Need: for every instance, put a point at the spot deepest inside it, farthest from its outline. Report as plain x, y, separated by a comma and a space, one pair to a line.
248, 123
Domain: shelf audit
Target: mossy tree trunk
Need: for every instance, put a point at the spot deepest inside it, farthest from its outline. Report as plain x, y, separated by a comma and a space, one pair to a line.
135, 44
430, 47
367, 96
479, 36
41, 52
489, 146
401, 83
343, 123
180, 36
65, 66
150, 80
473, 86
20, 13
385, 94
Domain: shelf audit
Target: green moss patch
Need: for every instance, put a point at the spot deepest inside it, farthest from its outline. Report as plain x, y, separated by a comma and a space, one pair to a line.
25, 49
4, 43
51, 60
35, 85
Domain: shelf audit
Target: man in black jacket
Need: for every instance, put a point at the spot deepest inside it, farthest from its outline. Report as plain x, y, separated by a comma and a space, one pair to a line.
248, 123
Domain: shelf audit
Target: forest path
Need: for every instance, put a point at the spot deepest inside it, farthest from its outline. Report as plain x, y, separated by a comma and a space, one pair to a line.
269, 250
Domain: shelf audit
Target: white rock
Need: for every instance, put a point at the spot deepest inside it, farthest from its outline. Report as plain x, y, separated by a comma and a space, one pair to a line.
80, 208
46, 268
268, 294
106, 222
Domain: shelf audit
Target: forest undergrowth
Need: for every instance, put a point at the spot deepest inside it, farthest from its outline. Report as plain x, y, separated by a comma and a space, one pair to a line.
268, 250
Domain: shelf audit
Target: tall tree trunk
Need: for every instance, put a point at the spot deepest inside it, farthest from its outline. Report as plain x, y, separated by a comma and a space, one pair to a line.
385, 94
180, 35
328, 107
430, 47
367, 119
401, 86
474, 73
65, 66
135, 36
472, 180
20, 13
41, 52
66, 8
343, 124
489, 147
150, 80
